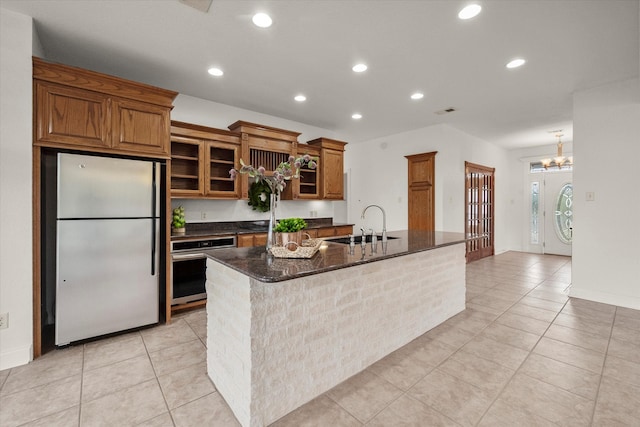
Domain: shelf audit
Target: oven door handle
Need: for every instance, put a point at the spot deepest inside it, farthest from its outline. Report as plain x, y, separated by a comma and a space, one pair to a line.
179, 257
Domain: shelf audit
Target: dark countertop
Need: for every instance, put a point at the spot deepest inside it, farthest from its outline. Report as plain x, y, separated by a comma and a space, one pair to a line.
255, 262
213, 229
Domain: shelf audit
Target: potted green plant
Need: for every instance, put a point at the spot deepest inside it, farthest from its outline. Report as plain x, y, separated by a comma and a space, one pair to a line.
289, 230
178, 221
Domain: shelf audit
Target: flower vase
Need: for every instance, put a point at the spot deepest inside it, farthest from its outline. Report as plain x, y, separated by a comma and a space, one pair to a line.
272, 219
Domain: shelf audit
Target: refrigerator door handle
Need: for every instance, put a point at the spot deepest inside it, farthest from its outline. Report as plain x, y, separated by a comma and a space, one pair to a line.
153, 221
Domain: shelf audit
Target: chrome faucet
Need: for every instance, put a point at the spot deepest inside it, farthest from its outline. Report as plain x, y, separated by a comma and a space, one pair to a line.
384, 221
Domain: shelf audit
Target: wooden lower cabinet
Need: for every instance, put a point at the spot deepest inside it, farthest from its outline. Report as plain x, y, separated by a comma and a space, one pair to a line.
260, 239
253, 239
341, 230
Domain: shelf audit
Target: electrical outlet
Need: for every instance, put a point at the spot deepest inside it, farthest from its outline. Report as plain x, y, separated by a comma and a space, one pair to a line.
4, 320
203, 215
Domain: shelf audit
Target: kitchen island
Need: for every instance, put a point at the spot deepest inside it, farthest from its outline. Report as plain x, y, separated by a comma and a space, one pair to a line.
283, 331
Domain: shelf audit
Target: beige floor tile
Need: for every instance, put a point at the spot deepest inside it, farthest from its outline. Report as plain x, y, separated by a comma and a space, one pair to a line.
40, 401
130, 406
401, 368
622, 370
457, 399
576, 380
3, 377
364, 395
492, 302
117, 376
503, 354
429, 352
542, 303
507, 294
179, 356
591, 305
471, 320
407, 411
577, 337
502, 414
618, 404
321, 411
164, 336
547, 401
450, 335
111, 350
533, 312
628, 312
546, 293
627, 322
210, 410
571, 354
163, 420
477, 371
630, 336
624, 350
583, 324
589, 314
51, 367
526, 324
66, 418
514, 337
490, 310
186, 385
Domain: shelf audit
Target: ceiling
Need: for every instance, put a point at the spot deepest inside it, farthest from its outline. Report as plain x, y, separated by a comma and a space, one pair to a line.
409, 46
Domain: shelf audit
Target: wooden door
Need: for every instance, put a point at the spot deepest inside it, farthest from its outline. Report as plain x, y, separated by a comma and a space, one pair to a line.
479, 212
421, 195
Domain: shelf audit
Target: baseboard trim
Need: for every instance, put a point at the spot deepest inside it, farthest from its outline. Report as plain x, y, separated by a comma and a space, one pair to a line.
16, 357
605, 298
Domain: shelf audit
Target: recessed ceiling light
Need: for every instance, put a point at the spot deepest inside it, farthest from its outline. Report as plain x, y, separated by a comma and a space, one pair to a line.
515, 63
469, 11
262, 20
359, 68
300, 98
417, 95
216, 72
356, 116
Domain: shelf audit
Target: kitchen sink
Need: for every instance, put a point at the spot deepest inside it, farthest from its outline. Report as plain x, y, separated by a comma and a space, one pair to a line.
357, 239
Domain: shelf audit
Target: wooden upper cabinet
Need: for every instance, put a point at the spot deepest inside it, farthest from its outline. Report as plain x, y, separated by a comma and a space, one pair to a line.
268, 147
140, 127
307, 186
81, 109
331, 167
201, 158
71, 116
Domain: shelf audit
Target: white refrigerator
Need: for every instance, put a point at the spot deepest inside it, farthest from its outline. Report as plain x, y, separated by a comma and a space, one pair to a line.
107, 245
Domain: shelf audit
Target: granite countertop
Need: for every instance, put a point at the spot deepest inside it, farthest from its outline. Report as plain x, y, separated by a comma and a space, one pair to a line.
255, 262
212, 229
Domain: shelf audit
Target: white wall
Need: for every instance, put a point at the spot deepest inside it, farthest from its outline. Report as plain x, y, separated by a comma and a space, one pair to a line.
378, 175
15, 188
606, 265
199, 111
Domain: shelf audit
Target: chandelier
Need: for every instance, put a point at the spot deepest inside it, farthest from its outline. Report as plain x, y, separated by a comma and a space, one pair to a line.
559, 160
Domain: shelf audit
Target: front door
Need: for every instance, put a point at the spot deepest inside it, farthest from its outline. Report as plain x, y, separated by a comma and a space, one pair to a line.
558, 213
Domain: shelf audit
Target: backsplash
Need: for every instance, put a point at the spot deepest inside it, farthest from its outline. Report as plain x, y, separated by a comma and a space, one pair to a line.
201, 210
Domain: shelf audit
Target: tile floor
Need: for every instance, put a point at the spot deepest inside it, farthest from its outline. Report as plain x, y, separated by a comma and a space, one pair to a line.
521, 354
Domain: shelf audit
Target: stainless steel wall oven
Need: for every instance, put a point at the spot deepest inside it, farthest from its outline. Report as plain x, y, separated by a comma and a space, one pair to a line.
188, 266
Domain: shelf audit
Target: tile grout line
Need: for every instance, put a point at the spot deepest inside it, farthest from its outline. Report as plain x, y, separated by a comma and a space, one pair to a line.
155, 374
604, 362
